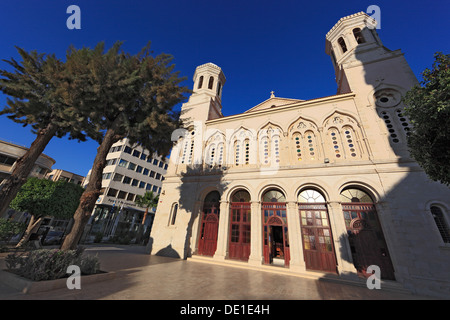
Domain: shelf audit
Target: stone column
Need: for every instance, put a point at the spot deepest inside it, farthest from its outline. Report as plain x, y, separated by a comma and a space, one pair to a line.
394, 246
321, 141
222, 234
256, 246
297, 262
350, 39
194, 220
342, 250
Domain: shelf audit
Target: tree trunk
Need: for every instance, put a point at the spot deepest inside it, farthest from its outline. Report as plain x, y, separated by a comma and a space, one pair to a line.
92, 192
23, 166
33, 226
145, 216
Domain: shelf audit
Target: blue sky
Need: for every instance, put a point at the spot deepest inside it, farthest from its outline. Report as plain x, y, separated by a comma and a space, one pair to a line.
260, 45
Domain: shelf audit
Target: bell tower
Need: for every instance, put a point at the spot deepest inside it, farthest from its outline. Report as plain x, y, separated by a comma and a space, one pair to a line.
205, 103
378, 77
360, 58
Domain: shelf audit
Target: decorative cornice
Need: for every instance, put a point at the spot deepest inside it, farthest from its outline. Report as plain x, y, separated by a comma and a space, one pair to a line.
344, 19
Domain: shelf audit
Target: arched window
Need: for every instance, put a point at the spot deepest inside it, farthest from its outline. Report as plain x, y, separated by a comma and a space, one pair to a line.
350, 142
212, 156
173, 215
310, 195
336, 142
358, 35
273, 196
297, 146
269, 145
355, 195
390, 126
441, 224
185, 150
246, 151
237, 153
213, 199
403, 121
240, 196
188, 148
200, 82
276, 149
304, 146
395, 122
344, 138
220, 151
191, 151
265, 150
342, 44
210, 83
310, 146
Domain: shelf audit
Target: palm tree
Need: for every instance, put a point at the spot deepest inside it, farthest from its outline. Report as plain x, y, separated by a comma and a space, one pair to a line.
148, 200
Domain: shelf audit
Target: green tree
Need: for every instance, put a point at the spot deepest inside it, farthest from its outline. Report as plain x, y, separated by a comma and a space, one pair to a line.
42, 96
428, 108
9, 228
130, 96
147, 201
41, 198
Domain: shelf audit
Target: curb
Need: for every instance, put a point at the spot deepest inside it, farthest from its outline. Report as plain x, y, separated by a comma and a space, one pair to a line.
28, 286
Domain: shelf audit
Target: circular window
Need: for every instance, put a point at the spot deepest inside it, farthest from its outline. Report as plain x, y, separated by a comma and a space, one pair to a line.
387, 98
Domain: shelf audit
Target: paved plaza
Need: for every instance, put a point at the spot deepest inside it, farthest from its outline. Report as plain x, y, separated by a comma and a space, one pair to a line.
140, 276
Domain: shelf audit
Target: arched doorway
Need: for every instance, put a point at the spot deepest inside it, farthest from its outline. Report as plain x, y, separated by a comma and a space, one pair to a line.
318, 248
207, 243
240, 211
365, 235
275, 228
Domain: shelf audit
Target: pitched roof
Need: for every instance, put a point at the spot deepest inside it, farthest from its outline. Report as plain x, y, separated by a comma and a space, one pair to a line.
273, 102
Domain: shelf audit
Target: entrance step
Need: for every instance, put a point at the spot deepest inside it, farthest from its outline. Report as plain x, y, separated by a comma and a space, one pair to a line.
266, 268
313, 275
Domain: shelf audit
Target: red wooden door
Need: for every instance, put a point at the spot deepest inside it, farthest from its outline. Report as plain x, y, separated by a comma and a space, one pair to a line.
207, 244
366, 239
318, 248
239, 245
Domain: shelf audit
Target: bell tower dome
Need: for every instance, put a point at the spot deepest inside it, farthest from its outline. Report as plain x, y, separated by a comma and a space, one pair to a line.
205, 103
209, 79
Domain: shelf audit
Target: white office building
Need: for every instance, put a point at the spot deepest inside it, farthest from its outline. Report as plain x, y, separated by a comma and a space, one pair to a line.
130, 171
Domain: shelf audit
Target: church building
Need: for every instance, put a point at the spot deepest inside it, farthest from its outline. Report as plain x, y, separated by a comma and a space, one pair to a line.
321, 188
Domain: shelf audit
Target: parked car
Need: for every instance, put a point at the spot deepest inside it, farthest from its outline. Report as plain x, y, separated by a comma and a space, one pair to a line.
53, 237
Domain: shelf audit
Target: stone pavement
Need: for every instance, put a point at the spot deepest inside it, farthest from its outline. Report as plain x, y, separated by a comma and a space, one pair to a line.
140, 276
